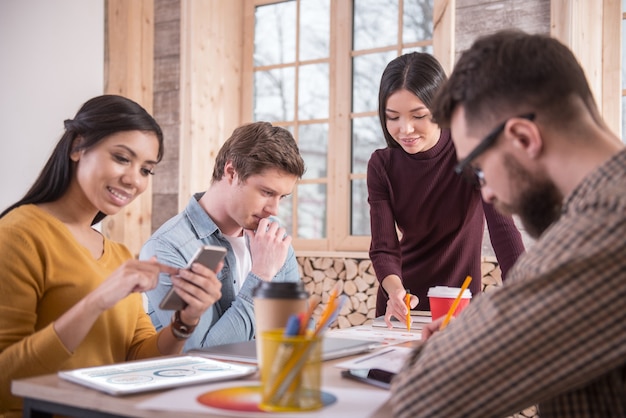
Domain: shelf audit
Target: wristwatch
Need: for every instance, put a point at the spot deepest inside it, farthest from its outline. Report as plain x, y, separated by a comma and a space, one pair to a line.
181, 330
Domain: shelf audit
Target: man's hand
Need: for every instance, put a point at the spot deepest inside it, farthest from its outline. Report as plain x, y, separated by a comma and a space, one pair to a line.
269, 246
429, 329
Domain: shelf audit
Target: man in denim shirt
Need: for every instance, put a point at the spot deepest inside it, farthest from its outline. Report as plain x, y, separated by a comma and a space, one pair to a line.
255, 168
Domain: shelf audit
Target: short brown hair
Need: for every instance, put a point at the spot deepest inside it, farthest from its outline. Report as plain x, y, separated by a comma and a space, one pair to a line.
511, 72
255, 147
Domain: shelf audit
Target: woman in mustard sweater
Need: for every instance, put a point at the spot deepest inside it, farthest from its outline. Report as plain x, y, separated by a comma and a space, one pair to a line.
69, 297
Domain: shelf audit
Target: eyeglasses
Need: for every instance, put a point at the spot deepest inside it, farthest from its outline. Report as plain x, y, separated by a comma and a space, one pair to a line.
475, 175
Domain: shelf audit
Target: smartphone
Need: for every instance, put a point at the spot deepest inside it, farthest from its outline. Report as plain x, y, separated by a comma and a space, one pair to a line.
207, 255
376, 377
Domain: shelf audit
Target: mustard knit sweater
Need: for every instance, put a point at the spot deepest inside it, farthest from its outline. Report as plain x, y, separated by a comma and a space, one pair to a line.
44, 271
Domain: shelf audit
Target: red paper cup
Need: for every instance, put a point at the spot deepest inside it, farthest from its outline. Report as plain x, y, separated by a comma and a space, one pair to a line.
442, 297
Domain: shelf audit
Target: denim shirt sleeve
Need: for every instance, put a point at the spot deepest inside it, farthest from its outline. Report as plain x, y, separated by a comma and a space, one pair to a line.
237, 322
160, 318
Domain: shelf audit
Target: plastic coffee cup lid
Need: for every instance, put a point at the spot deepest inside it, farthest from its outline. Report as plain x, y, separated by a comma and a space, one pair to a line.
448, 292
280, 290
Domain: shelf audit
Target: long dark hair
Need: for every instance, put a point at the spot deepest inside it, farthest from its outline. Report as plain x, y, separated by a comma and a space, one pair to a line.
97, 119
418, 72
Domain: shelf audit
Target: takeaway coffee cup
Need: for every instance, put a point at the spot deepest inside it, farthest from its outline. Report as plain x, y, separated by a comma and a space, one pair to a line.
442, 297
274, 303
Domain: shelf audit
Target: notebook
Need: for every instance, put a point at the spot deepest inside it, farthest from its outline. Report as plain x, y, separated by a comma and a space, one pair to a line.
153, 374
245, 351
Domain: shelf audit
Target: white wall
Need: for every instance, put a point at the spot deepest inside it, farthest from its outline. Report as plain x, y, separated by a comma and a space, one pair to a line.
51, 62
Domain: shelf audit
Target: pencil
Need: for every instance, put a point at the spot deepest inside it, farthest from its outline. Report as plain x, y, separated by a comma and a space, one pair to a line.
407, 300
328, 310
466, 283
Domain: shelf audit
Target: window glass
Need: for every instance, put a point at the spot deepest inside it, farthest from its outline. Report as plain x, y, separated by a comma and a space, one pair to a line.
313, 92
314, 29
366, 73
375, 23
312, 211
360, 216
275, 33
274, 95
367, 136
417, 20
285, 214
313, 144
428, 49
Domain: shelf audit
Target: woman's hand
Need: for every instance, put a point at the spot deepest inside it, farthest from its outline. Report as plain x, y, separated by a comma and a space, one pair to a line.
396, 306
131, 276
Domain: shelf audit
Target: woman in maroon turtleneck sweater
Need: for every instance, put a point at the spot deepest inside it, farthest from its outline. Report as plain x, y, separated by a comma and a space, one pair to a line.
412, 186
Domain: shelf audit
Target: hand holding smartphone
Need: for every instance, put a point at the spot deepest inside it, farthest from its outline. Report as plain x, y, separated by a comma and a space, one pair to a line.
207, 255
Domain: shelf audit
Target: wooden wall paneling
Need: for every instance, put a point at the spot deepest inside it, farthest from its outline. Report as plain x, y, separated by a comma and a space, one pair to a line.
611, 105
128, 72
247, 73
578, 24
592, 30
167, 108
444, 16
475, 18
211, 71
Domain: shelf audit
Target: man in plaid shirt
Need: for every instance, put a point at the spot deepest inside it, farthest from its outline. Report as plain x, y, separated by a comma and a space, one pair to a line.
528, 133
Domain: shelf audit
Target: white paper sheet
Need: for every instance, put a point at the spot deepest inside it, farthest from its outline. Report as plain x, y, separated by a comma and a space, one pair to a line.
350, 402
390, 359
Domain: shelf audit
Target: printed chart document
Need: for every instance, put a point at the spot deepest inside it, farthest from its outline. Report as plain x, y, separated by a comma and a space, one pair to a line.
382, 335
153, 374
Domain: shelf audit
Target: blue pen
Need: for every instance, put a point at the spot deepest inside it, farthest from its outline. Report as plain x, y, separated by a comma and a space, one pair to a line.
293, 326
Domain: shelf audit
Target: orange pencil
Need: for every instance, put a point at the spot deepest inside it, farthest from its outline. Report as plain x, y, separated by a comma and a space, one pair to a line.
328, 310
466, 283
407, 300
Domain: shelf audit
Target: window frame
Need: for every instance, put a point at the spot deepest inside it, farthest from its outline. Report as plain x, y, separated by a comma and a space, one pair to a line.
339, 177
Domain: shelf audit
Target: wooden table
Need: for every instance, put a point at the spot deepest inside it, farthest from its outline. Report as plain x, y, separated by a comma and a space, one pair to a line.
47, 395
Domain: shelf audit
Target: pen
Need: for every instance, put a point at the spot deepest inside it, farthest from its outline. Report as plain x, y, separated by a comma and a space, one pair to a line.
407, 300
466, 283
293, 326
380, 353
306, 317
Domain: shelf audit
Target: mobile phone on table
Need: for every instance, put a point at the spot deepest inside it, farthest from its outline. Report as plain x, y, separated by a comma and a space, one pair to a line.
376, 377
207, 255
